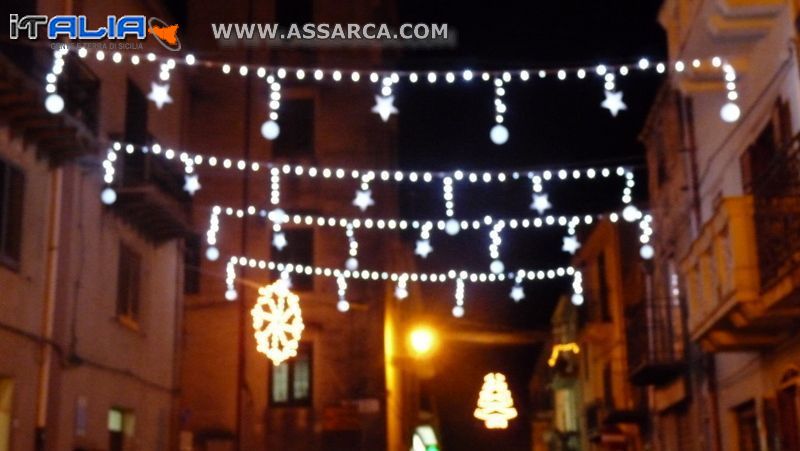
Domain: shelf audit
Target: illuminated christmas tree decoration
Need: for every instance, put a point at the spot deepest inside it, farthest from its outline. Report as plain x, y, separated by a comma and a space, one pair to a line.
495, 404
278, 321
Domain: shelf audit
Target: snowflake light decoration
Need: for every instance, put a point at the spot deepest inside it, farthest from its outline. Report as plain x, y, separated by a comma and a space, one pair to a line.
278, 321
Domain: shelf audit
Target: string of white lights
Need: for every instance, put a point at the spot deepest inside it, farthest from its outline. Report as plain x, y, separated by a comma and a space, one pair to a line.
458, 309
577, 288
343, 305
563, 174
497, 265
429, 277
54, 103
499, 133
108, 195
401, 279
321, 74
646, 251
730, 111
384, 102
270, 129
280, 217
352, 261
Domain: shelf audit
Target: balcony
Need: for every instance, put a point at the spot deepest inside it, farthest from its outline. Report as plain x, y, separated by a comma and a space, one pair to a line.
655, 353
603, 422
741, 273
594, 319
151, 198
60, 137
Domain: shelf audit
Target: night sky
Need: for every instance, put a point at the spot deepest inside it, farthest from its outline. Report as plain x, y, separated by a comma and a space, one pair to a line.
551, 123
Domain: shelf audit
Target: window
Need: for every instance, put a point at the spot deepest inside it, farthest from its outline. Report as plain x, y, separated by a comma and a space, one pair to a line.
290, 382
128, 280
298, 12
12, 191
602, 284
135, 115
747, 427
608, 387
764, 157
120, 428
788, 417
299, 250
6, 415
191, 265
296, 139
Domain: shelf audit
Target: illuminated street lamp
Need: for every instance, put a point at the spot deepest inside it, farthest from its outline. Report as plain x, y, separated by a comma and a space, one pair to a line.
422, 340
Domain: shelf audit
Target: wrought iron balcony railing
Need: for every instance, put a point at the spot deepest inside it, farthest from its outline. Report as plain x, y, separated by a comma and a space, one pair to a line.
654, 340
776, 195
150, 196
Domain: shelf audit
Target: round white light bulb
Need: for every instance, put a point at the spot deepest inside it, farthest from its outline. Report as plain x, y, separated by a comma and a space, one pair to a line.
108, 196
54, 103
270, 130
351, 264
730, 112
212, 253
631, 213
499, 134
458, 311
343, 305
497, 267
452, 227
577, 299
646, 252
231, 294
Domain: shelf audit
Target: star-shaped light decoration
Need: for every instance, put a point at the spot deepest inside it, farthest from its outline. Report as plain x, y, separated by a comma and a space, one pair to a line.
571, 244
540, 203
279, 241
192, 183
517, 293
384, 106
363, 199
423, 248
614, 103
159, 94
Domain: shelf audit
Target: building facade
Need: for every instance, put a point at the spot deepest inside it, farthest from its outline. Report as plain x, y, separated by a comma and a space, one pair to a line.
724, 199
595, 405
352, 385
91, 299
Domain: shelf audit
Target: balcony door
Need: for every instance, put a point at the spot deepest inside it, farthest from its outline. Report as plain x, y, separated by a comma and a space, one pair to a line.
788, 411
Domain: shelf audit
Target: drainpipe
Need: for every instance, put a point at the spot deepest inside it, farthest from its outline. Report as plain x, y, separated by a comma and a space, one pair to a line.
48, 310
709, 363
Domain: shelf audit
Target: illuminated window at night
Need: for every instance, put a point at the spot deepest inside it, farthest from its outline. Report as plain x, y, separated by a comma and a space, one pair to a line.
121, 425
290, 382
